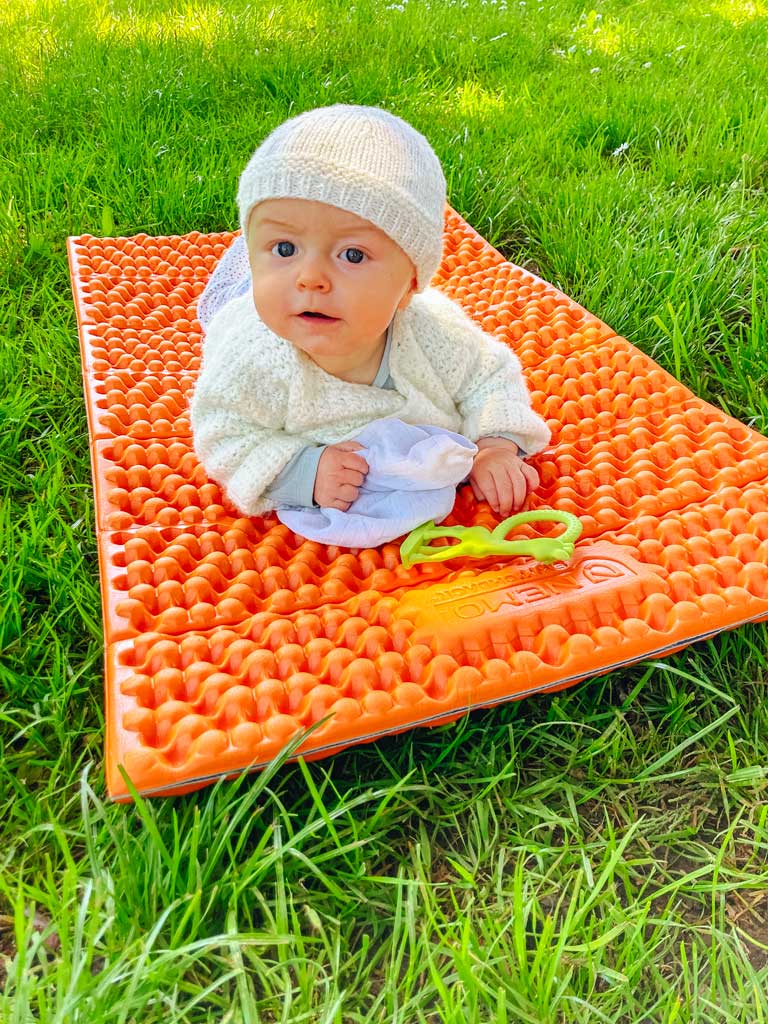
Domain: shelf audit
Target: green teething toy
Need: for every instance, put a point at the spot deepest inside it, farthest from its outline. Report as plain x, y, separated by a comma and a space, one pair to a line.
477, 541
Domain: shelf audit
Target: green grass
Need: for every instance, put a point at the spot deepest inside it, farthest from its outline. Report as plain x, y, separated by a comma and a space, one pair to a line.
596, 856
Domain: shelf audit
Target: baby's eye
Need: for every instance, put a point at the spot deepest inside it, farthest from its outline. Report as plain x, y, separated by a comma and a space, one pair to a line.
352, 255
284, 249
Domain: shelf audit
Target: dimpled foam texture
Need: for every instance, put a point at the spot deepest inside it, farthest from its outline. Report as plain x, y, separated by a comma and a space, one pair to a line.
228, 636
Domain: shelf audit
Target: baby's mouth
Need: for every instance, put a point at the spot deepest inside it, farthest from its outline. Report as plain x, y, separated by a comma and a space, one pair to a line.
309, 314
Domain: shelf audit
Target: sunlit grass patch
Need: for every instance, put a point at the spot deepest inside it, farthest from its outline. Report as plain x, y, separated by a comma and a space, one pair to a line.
739, 11
604, 35
470, 99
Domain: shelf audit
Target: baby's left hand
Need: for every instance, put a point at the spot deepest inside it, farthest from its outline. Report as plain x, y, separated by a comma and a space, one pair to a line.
500, 476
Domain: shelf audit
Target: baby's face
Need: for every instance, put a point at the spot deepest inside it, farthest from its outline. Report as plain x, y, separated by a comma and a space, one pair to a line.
326, 280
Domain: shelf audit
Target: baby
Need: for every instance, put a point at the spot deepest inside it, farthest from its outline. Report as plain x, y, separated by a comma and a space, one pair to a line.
342, 211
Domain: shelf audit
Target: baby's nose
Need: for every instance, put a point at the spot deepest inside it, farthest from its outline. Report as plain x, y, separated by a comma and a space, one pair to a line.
313, 276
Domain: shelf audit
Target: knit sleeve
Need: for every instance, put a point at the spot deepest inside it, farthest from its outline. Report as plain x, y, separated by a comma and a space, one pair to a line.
238, 413
484, 377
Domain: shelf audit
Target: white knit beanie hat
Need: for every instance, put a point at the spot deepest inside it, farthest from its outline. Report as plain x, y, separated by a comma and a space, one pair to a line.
361, 159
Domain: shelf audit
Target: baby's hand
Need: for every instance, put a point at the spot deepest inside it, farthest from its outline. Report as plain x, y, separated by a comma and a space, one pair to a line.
340, 474
500, 476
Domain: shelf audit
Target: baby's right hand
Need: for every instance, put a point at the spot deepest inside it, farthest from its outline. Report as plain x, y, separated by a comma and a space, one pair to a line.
340, 473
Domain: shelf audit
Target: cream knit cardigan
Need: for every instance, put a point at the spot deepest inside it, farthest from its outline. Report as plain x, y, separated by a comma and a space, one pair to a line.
259, 401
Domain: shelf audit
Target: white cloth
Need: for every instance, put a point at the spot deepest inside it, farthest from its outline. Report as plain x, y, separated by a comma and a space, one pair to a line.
230, 279
259, 401
412, 476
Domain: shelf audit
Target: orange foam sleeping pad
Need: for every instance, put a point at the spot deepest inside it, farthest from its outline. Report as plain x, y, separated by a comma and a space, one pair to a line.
228, 636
